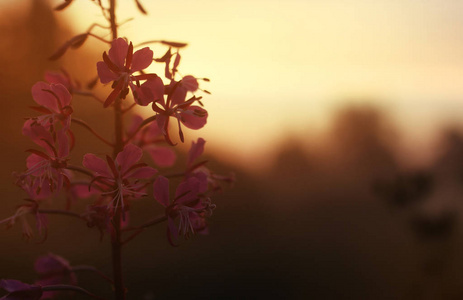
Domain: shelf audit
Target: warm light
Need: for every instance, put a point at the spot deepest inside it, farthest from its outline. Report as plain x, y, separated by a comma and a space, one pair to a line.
278, 66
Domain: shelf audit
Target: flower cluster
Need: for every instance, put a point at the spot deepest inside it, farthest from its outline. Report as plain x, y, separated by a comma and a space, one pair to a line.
110, 183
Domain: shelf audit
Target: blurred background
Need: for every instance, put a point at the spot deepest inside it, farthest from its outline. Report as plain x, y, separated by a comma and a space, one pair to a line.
341, 120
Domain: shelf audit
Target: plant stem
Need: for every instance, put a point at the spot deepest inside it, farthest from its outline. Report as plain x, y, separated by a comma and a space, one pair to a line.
94, 270
86, 126
116, 245
61, 212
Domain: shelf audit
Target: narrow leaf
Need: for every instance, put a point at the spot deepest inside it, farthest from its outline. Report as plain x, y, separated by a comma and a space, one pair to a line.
78, 40
174, 44
63, 5
140, 7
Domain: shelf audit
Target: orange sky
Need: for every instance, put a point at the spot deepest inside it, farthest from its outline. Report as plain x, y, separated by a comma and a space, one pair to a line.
279, 66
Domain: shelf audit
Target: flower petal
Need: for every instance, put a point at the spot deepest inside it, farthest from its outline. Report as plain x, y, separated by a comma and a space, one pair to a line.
162, 156
118, 52
190, 83
128, 157
105, 74
11, 285
97, 165
44, 98
33, 161
62, 92
55, 77
161, 190
187, 190
141, 59
195, 151
63, 144
50, 264
194, 117
143, 172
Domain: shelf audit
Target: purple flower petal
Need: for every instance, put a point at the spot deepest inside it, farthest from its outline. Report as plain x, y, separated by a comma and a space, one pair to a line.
97, 165
105, 74
128, 157
162, 156
143, 172
44, 98
142, 59
195, 151
194, 118
118, 52
161, 190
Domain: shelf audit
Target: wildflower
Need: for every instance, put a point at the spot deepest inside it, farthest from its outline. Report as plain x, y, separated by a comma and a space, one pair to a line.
149, 139
53, 270
118, 67
32, 208
18, 290
55, 104
176, 105
199, 170
48, 166
100, 217
62, 78
120, 177
188, 206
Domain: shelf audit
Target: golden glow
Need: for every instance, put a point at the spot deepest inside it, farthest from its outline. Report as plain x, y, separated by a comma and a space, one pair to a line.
286, 65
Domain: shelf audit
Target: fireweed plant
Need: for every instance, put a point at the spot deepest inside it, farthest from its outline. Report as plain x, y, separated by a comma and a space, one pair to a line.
114, 180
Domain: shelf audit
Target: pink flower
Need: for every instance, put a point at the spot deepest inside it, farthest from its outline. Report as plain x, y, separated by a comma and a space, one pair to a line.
149, 139
188, 205
32, 208
176, 105
18, 290
208, 179
55, 104
118, 67
53, 270
48, 166
98, 216
120, 177
36, 188
62, 78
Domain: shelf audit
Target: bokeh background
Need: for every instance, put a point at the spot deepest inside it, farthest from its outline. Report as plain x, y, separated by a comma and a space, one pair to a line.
340, 119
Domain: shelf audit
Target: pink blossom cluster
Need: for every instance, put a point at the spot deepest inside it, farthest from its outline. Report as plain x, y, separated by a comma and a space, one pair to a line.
110, 183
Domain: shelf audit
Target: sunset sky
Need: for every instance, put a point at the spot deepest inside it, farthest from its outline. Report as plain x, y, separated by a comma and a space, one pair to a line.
286, 66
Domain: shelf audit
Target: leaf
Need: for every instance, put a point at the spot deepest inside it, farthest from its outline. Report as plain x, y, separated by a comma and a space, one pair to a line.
165, 57
140, 7
91, 84
75, 42
78, 40
63, 5
174, 44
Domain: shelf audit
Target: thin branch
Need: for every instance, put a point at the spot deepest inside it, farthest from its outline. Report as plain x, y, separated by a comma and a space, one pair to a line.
167, 43
85, 125
131, 237
79, 169
97, 25
155, 221
175, 175
61, 212
142, 124
88, 94
99, 38
94, 270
